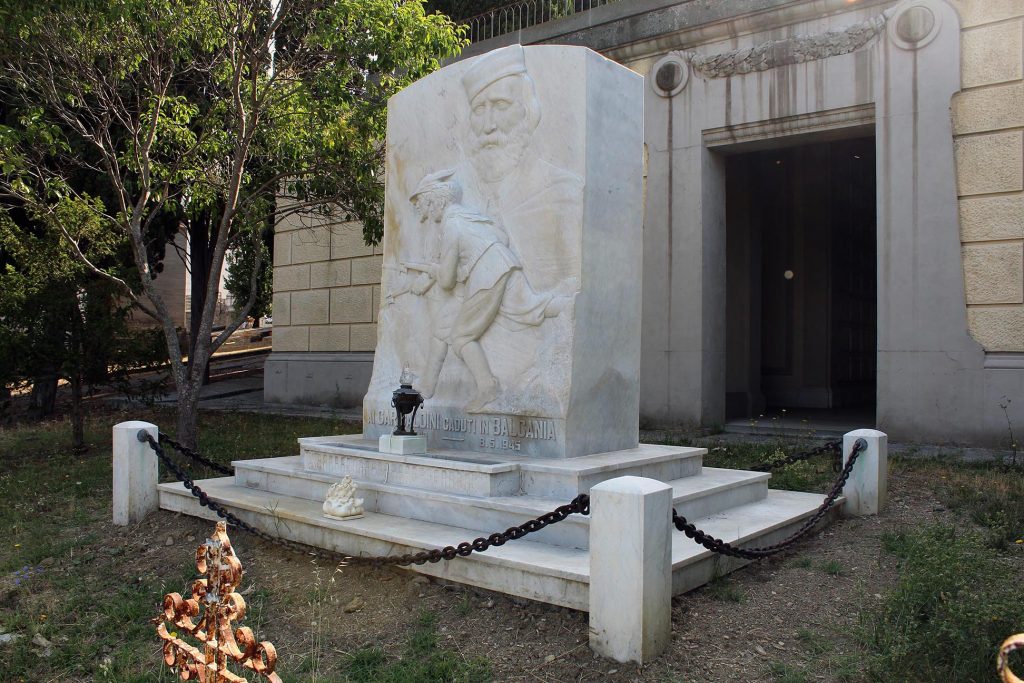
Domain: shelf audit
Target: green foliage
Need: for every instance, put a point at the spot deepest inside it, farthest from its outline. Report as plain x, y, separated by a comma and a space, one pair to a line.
464, 9
241, 264
814, 474
803, 562
422, 661
725, 590
787, 673
56, 316
955, 602
191, 94
991, 496
833, 567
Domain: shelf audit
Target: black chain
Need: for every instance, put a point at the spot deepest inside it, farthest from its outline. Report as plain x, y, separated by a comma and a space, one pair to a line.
580, 505
719, 546
185, 450
835, 447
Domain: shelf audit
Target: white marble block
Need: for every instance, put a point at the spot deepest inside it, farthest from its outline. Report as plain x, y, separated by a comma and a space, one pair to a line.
136, 473
512, 254
402, 445
630, 568
867, 488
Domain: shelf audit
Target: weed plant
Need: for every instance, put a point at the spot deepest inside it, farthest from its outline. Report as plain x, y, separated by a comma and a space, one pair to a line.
722, 589
955, 602
814, 474
421, 662
991, 496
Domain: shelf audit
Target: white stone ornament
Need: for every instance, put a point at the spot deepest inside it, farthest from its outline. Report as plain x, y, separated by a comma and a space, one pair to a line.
341, 502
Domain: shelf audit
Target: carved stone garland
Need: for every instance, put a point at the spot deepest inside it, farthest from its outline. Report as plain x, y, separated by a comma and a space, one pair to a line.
219, 644
794, 50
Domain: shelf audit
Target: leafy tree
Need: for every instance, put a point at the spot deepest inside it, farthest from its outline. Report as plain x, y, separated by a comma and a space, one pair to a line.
464, 9
238, 281
224, 114
57, 321
516, 15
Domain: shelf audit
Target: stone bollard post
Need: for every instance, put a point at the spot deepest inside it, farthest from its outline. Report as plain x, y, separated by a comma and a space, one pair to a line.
867, 489
136, 473
630, 568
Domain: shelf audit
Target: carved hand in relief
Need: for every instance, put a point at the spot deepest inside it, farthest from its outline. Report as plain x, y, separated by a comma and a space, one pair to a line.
422, 284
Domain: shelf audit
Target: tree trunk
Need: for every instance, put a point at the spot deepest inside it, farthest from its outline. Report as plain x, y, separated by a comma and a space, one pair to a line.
77, 413
76, 368
43, 401
188, 415
200, 262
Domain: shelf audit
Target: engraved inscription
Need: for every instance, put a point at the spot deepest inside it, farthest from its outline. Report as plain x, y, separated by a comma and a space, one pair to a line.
505, 433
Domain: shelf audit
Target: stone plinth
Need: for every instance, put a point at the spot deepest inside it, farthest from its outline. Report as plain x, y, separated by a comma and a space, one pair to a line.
136, 473
630, 568
512, 254
402, 445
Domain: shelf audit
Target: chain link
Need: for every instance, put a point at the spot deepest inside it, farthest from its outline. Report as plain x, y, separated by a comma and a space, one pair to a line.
185, 450
579, 505
719, 546
835, 447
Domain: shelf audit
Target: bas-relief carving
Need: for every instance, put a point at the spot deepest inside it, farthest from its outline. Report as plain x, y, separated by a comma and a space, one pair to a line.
474, 256
482, 257
786, 51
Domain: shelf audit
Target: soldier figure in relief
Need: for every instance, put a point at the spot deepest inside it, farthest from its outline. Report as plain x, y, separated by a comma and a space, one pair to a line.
475, 258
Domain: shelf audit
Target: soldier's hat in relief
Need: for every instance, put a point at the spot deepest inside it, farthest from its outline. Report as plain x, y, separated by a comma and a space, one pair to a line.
495, 65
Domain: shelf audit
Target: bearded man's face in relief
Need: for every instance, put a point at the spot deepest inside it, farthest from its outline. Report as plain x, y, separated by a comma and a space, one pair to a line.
501, 128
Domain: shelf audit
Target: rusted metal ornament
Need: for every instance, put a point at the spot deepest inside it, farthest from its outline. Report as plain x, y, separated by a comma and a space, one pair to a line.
1003, 660
208, 618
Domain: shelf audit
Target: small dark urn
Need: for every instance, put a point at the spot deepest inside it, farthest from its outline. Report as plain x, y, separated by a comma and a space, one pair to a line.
406, 400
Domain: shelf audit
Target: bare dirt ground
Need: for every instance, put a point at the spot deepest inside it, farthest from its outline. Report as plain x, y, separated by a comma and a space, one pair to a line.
770, 619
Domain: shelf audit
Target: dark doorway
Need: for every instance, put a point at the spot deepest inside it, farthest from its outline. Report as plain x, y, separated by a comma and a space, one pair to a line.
801, 292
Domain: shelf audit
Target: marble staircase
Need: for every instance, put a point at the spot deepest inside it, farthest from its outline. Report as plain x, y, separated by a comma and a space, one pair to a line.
444, 498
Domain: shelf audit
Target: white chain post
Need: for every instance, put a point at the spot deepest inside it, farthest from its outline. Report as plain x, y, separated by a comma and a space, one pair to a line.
866, 490
630, 568
136, 473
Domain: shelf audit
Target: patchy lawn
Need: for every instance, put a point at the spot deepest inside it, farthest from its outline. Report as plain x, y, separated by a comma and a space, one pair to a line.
923, 592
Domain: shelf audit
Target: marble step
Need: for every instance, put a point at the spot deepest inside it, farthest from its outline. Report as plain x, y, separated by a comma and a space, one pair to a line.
486, 474
711, 491
525, 568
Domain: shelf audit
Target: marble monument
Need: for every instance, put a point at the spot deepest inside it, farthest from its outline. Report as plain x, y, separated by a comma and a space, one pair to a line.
512, 254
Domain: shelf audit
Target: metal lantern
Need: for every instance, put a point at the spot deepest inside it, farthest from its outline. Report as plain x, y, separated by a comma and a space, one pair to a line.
406, 400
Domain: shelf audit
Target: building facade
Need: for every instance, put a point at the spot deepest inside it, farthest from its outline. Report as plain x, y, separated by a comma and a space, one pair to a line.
834, 218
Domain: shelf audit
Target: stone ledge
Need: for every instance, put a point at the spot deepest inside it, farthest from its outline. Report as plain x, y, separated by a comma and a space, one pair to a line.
1004, 361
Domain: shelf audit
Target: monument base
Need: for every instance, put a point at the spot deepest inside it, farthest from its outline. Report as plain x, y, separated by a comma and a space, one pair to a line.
402, 445
427, 501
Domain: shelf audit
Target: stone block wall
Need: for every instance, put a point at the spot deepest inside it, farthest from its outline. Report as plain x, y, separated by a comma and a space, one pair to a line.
326, 288
988, 126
